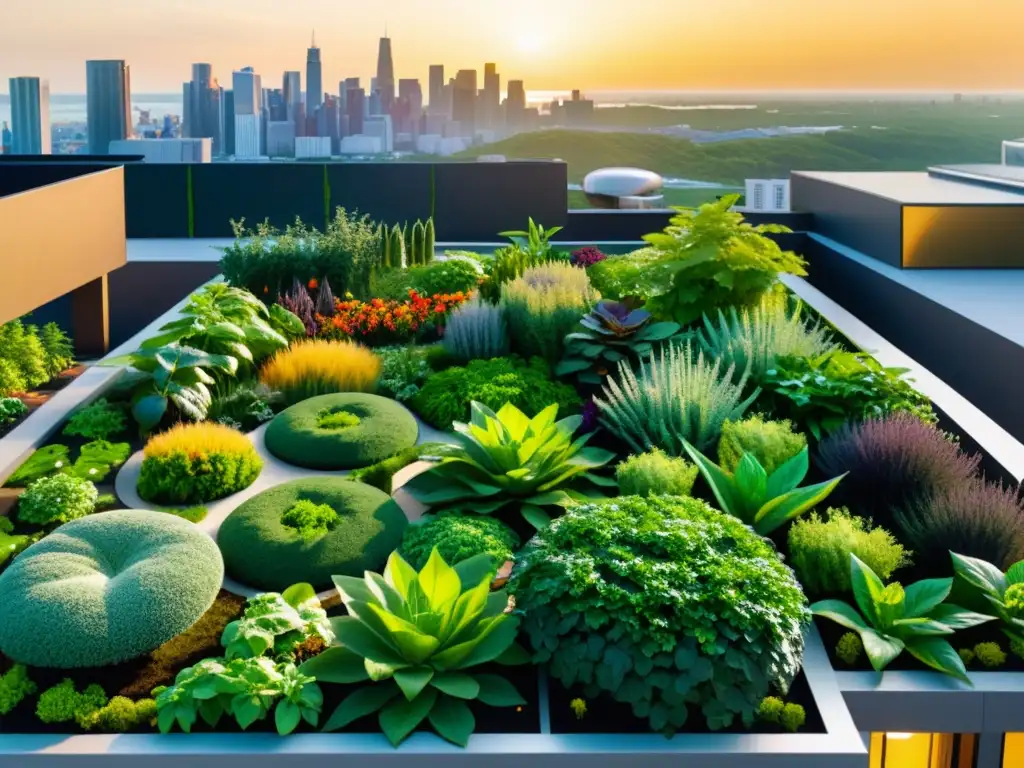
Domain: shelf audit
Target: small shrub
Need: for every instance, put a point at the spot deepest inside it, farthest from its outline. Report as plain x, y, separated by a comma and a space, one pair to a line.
121, 715
11, 379
772, 443
543, 306
975, 518
245, 404
45, 461
458, 537
849, 648
674, 398
11, 409
20, 345
577, 584
579, 708
444, 277
793, 717
56, 500
393, 284
654, 474
966, 656
15, 685
770, 709
310, 519
893, 462
328, 419
476, 330
1017, 648
990, 655
57, 348
316, 368
403, 370
586, 257
197, 463
63, 703
445, 396
97, 421
819, 551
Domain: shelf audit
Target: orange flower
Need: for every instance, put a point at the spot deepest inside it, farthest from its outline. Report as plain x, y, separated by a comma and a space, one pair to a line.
266, 290
312, 284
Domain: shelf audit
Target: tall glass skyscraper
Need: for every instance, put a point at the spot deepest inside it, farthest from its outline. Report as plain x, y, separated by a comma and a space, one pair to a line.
314, 80
248, 108
292, 93
30, 116
436, 87
203, 109
385, 75
108, 103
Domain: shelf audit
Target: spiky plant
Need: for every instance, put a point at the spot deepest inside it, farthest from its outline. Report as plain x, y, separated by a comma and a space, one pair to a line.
758, 336
325, 300
397, 248
429, 241
417, 243
476, 331
675, 398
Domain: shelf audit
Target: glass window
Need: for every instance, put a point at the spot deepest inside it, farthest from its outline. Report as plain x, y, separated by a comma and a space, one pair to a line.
1013, 750
923, 750
1013, 154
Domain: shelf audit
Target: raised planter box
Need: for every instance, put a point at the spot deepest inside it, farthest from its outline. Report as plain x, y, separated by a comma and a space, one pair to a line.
840, 746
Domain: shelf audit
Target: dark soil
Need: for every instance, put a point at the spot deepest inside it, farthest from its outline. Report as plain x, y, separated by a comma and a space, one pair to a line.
38, 397
605, 715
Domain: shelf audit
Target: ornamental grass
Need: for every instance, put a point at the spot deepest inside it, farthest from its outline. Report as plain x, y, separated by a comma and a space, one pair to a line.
321, 367
198, 440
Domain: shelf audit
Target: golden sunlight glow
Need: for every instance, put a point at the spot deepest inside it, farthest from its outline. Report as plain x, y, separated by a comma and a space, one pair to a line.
530, 42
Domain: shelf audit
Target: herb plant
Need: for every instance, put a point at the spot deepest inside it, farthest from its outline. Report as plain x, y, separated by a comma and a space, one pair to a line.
1003, 591
476, 331
11, 409
506, 458
15, 684
892, 619
772, 443
97, 421
415, 636
276, 625
57, 499
458, 537
655, 474
535, 240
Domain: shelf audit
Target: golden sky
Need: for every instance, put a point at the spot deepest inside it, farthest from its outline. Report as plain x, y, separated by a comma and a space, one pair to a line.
946, 45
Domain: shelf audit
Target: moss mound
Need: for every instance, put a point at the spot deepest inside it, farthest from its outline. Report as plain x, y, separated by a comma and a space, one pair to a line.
106, 588
309, 435
261, 551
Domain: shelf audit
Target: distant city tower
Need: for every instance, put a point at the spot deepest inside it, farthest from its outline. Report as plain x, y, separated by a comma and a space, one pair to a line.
385, 74
314, 79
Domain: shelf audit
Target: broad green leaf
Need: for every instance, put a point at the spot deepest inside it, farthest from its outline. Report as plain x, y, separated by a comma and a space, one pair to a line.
439, 581
1016, 573
957, 618
457, 684
385, 595
839, 612
353, 634
149, 410
980, 574
413, 680
336, 665
361, 703
496, 691
491, 646
750, 482
535, 516
867, 588
474, 570
880, 649
781, 509
918, 626
923, 596
298, 594
452, 720
719, 481
399, 574
286, 717
350, 588
938, 654
789, 474
399, 717
513, 656
415, 646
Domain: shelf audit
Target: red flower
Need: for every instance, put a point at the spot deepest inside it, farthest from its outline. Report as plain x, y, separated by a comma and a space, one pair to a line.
312, 284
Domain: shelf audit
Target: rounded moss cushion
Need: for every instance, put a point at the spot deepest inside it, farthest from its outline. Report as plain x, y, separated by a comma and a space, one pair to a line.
261, 551
317, 434
107, 588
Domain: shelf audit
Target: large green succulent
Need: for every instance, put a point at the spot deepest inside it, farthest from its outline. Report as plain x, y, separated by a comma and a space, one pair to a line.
413, 636
507, 458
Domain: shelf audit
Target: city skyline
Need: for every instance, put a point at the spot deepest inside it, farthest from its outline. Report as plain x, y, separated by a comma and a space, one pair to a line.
844, 44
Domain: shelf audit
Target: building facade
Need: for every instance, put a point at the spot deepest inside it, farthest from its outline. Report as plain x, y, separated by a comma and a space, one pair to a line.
435, 86
204, 110
188, 150
108, 103
248, 113
767, 195
314, 80
385, 76
464, 98
30, 116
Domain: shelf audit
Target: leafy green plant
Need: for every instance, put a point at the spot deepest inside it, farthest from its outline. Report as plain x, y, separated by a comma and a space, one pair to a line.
328, 419
506, 458
246, 689
20, 346
58, 354
448, 276
15, 686
535, 240
793, 717
97, 458
476, 330
97, 421
244, 405
57, 499
63, 703
506, 265
825, 392
674, 399
310, 519
1003, 591
612, 332
11, 544
772, 443
849, 648
172, 375
662, 603
120, 715
458, 537
764, 501
416, 635
707, 259
892, 619
770, 709
43, 462
820, 549
444, 397
543, 306
403, 371
653, 473
277, 624
754, 338
989, 655
11, 409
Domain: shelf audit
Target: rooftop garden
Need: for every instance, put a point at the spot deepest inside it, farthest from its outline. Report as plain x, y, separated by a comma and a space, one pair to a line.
358, 486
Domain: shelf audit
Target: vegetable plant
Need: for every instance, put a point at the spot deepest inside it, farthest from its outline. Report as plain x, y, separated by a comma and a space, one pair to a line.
415, 637
535, 240
276, 624
892, 619
611, 332
506, 458
764, 501
1003, 591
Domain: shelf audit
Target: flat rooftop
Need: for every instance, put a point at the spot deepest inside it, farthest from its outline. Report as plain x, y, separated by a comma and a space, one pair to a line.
918, 188
1006, 177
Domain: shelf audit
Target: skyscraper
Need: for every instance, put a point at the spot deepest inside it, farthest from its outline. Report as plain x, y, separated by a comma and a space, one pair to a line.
30, 116
6, 139
292, 93
515, 105
464, 101
228, 120
355, 110
436, 86
385, 75
248, 102
108, 103
203, 108
491, 95
314, 80
409, 106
